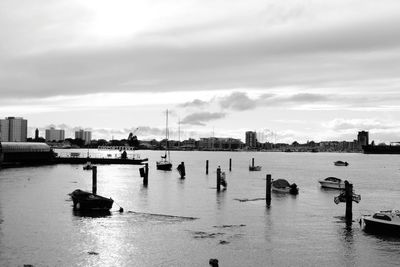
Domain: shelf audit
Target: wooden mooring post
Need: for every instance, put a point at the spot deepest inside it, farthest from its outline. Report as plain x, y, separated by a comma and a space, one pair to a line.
94, 180
206, 166
230, 164
348, 196
181, 169
219, 178
349, 201
252, 162
144, 173
268, 190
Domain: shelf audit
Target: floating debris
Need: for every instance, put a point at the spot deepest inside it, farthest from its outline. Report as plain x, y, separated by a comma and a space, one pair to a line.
223, 242
229, 225
246, 199
93, 253
161, 217
201, 234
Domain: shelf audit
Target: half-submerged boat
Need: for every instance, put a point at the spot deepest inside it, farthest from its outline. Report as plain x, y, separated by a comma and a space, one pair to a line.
341, 163
387, 221
333, 183
87, 201
88, 166
283, 186
252, 167
165, 164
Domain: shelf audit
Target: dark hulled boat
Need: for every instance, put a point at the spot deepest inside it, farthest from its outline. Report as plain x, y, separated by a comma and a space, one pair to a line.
165, 164
84, 200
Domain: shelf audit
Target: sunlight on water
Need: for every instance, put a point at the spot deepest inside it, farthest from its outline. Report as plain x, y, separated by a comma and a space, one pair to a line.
183, 222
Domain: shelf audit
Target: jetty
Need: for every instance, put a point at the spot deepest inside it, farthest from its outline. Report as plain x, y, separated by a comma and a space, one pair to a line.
14, 154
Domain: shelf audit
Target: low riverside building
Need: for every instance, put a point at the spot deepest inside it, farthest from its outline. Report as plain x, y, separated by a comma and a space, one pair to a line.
18, 153
215, 143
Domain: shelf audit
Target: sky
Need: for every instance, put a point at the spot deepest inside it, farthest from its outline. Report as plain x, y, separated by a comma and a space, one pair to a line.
290, 70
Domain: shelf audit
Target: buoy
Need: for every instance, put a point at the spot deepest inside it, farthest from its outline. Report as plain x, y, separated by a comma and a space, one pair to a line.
121, 209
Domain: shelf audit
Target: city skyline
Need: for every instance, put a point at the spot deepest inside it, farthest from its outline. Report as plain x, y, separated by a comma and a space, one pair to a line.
291, 71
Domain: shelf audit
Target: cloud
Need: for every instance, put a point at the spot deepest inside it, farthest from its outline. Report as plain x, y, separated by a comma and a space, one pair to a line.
360, 124
201, 118
260, 44
197, 103
238, 101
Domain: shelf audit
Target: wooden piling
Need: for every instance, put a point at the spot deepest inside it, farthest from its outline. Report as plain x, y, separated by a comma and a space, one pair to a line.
268, 190
230, 164
206, 166
219, 179
349, 201
181, 169
146, 174
94, 180
252, 162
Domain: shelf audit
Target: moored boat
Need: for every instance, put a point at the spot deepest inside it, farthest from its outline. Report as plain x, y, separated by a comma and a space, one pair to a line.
88, 166
165, 164
382, 222
254, 168
283, 186
84, 200
341, 163
333, 183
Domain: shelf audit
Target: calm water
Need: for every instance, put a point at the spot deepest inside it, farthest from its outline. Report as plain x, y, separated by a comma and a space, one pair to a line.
38, 226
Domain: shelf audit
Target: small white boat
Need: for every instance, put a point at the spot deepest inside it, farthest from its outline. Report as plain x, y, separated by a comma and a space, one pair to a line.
332, 182
283, 186
387, 221
341, 163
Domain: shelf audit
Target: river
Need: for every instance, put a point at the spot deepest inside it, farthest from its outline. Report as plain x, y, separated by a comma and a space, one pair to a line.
185, 222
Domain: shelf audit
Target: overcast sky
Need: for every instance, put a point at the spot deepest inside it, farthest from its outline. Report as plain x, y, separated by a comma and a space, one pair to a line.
290, 70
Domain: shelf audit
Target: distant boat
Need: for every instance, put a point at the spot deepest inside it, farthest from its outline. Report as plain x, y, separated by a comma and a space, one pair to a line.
341, 163
254, 168
165, 163
382, 222
88, 166
332, 182
87, 201
283, 186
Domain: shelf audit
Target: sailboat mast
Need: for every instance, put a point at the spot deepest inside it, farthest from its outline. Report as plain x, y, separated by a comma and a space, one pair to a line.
167, 136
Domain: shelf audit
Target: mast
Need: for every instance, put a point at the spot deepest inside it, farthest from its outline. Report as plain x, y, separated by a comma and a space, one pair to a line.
166, 136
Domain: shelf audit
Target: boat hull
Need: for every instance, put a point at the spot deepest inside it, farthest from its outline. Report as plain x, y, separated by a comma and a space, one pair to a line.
285, 190
254, 168
381, 226
164, 166
332, 185
87, 201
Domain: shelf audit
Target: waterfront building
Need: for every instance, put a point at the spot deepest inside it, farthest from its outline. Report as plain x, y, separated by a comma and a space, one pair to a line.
84, 135
251, 139
363, 138
215, 143
54, 135
13, 129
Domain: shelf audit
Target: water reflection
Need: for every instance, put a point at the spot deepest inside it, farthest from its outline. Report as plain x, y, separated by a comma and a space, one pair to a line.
221, 198
92, 214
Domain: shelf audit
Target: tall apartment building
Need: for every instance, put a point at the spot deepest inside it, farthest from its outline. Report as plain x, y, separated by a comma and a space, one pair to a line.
84, 135
54, 135
363, 138
251, 139
13, 129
